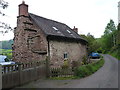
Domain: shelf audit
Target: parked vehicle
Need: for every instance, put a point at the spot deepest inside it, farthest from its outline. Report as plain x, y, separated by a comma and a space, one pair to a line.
5, 61
94, 55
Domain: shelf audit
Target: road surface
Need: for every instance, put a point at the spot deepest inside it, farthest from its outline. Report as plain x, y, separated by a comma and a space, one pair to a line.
105, 77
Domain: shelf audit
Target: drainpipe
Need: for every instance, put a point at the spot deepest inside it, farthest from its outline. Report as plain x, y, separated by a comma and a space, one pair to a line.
48, 61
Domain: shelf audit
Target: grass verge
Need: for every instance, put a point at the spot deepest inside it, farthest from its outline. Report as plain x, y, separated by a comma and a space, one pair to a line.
62, 78
6, 52
115, 55
88, 69
83, 71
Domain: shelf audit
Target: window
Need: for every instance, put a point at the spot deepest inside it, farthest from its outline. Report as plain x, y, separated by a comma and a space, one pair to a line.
55, 28
68, 31
65, 55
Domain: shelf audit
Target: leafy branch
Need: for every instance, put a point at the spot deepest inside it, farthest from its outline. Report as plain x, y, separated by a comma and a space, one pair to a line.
3, 4
6, 27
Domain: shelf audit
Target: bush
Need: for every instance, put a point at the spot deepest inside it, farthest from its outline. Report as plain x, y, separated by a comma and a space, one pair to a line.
86, 70
115, 52
65, 64
82, 71
84, 60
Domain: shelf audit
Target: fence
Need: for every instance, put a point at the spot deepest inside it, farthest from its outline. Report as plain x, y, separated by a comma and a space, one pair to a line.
0, 77
59, 72
19, 74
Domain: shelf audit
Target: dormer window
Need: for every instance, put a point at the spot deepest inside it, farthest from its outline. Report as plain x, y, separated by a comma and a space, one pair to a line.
55, 28
68, 31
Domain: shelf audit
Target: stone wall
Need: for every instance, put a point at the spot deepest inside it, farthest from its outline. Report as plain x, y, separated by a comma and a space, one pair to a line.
29, 41
75, 52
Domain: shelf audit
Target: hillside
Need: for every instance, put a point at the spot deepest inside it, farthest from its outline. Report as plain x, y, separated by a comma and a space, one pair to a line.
6, 44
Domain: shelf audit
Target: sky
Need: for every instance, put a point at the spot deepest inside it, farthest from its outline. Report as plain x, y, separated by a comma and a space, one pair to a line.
89, 16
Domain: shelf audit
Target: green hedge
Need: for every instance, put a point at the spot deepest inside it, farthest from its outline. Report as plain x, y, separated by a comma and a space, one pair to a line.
115, 55
88, 69
115, 52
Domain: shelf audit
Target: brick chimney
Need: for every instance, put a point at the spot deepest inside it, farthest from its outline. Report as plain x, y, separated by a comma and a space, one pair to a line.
75, 29
23, 9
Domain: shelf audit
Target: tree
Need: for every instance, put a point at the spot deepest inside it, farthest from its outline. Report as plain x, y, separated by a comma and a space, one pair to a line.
110, 27
5, 27
93, 45
6, 44
108, 43
110, 34
3, 5
118, 35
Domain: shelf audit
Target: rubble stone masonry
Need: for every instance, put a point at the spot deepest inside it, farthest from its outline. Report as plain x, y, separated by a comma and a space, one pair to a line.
29, 41
75, 52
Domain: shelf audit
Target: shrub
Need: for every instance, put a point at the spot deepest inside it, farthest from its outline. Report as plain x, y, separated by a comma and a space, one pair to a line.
75, 64
65, 64
84, 60
83, 71
86, 70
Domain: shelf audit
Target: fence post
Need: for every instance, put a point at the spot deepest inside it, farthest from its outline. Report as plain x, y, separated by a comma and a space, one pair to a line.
35, 70
47, 67
0, 77
19, 70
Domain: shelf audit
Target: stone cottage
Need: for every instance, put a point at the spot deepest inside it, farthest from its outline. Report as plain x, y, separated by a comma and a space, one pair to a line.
36, 37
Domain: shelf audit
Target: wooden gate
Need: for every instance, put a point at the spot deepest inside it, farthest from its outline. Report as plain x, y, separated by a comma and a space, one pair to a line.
59, 72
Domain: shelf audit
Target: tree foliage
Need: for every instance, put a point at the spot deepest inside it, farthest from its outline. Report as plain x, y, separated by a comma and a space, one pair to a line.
6, 44
109, 38
93, 45
5, 27
108, 43
3, 5
110, 28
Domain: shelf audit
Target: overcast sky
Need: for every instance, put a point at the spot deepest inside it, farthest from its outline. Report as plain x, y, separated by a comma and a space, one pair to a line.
89, 16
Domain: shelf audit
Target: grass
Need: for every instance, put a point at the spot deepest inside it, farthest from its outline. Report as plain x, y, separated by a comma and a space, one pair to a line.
115, 52
6, 52
115, 55
62, 78
89, 69
83, 71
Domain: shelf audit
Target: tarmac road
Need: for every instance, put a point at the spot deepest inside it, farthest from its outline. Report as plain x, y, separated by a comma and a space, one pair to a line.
105, 77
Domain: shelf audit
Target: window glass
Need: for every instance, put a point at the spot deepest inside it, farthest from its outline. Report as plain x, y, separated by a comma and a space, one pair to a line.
65, 55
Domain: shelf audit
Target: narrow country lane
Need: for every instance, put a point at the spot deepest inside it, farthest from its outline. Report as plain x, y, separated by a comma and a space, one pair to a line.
105, 77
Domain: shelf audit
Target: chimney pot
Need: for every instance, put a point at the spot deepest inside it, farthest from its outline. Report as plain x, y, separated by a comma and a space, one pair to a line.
75, 29
23, 9
23, 2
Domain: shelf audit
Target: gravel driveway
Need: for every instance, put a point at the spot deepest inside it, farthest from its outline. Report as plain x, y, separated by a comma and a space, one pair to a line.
105, 77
